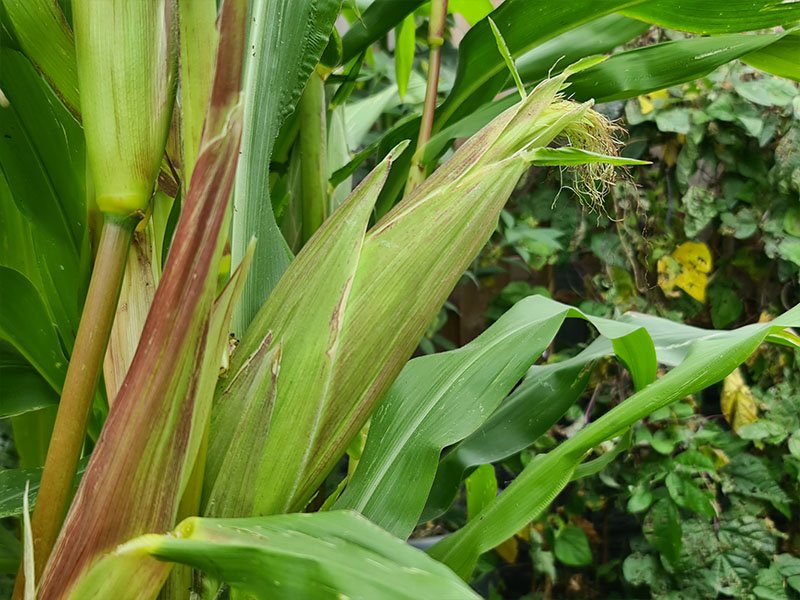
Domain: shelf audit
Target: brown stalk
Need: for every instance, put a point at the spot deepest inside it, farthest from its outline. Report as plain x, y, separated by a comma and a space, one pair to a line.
83, 372
436, 26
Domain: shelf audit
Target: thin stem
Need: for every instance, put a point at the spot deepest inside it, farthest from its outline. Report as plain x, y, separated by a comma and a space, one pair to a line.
436, 26
313, 156
83, 372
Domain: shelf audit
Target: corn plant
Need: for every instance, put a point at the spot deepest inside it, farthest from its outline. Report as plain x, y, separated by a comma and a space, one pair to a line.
169, 458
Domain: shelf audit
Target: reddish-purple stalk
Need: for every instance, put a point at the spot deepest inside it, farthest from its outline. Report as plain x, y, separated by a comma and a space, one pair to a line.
83, 372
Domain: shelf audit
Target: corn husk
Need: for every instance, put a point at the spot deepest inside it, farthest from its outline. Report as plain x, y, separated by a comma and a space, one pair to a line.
126, 53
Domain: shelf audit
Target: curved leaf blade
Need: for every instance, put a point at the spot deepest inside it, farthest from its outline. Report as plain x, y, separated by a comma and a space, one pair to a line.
414, 422
643, 70
713, 16
330, 555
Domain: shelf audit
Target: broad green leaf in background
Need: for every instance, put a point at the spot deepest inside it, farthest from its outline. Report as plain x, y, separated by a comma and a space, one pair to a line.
17, 248
42, 159
10, 552
44, 35
545, 395
542, 399
374, 23
472, 10
26, 325
708, 361
599, 36
414, 422
405, 45
286, 39
328, 555
23, 390
480, 489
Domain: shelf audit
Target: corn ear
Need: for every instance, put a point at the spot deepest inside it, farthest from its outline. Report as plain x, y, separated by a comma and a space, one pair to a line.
231, 469
352, 307
145, 454
126, 54
313, 347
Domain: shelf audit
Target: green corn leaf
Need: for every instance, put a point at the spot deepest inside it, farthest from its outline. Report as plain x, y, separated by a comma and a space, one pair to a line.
44, 35
507, 58
524, 25
12, 488
545, 395
779, 58
26, 325
32, 431
414, 422
23, 388
44, 201
568, 156
160, 414
10, 552
716, 16
642, 70
405, 47
599, 36
312, 137
330, 555
708, 360
481, 489
127, 58
286, 41
472, 10
375, 22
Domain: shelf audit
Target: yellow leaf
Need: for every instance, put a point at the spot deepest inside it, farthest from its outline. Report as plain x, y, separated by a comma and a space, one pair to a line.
686, 268
525, 533
671, 150
649, 102
720, 458
508, 550
738, 404
645, 105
